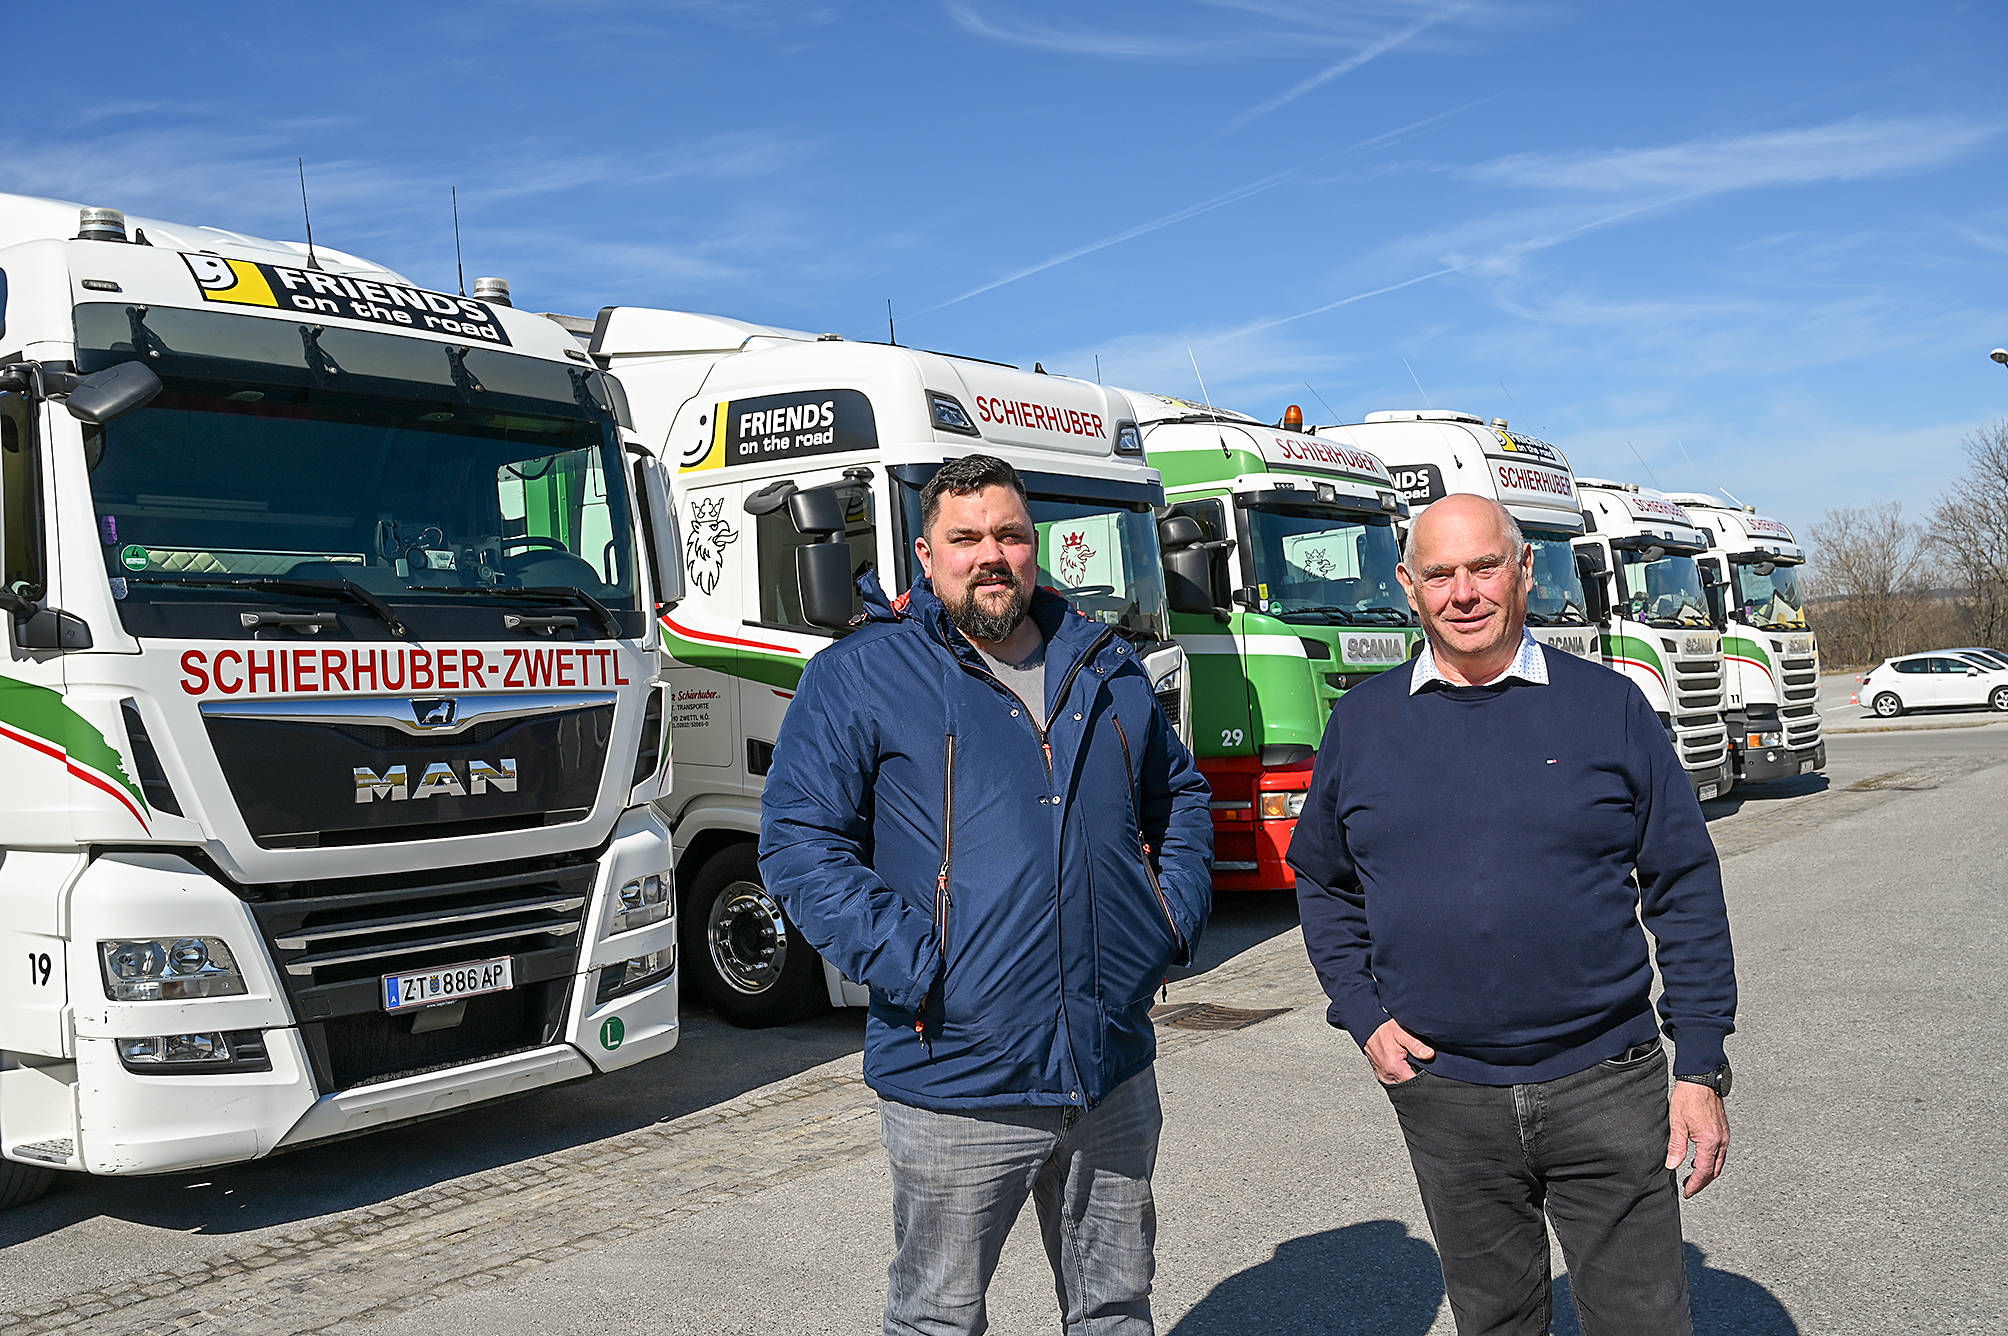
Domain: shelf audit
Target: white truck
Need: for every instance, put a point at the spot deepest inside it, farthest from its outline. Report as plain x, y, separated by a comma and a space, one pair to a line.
1660, 632
330, 695
1770, 656
800, 461
1431, 453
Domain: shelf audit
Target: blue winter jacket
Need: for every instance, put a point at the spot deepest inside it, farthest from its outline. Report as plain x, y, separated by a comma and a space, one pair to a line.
1013, 900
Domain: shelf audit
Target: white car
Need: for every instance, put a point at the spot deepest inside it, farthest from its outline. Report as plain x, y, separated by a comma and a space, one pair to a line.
1938, 679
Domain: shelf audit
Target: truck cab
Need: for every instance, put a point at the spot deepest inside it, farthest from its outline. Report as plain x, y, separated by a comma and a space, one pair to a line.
800, 460
1660, 631
1280, 551
1432, 453
1770, 656
330, 696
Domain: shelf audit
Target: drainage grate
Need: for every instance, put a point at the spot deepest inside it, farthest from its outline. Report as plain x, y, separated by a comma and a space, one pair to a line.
1210, 1016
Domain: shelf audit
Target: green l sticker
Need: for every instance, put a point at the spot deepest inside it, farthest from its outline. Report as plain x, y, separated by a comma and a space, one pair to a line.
134, 558
612, 1033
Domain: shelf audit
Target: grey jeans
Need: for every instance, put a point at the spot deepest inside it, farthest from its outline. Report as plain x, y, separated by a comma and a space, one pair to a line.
960, 1179
1588, 1152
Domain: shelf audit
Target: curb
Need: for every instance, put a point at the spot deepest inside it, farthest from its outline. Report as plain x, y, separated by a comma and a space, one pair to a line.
1831, 731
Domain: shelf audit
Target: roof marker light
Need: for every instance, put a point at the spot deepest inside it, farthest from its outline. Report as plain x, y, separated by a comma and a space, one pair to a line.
101, 225
494, 291
1293, 418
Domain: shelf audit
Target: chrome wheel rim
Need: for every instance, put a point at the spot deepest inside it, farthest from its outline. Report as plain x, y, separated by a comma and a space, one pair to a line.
747, 938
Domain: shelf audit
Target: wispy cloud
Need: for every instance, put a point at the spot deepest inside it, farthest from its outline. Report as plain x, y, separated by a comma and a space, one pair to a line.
1333, 71
1847, 150
1209, 29
1226, 197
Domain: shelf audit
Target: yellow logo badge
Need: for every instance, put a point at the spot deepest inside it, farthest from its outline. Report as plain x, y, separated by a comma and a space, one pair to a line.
235, 281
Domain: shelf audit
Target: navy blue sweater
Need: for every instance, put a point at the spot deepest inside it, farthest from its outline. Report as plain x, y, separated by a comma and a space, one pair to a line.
1465, 865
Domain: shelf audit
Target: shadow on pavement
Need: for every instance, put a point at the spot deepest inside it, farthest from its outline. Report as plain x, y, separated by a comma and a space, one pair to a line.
1798, 786
1240, 920
1373, 1278
712, 1063
1724, 1303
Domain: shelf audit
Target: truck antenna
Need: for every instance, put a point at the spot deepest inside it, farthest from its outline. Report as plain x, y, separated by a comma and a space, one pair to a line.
1321, 399
457, 262
891, 334
312, 263
1516, 404
1418, 385
1098, 368
1207, 399
1732, 496
1684, 455
1642, 464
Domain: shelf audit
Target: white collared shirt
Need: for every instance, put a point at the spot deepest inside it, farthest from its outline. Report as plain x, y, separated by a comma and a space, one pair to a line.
1529, 666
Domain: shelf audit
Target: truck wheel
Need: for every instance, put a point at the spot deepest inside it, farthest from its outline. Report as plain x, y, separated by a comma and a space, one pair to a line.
22, 1183
741, 951
1999, 700
1888, 706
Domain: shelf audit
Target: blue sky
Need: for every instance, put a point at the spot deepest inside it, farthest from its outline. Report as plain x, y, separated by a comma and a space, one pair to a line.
1762, 246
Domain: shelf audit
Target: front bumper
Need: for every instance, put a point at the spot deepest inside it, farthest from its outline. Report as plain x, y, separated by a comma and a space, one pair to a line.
1769, 763
93, 1113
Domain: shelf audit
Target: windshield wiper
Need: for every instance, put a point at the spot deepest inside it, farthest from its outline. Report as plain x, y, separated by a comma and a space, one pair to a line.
546, 593
347, 589
1399, 614
1324, 609
1570, 615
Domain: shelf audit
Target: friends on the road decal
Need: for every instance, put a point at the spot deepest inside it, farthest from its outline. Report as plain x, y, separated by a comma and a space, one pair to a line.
315, 292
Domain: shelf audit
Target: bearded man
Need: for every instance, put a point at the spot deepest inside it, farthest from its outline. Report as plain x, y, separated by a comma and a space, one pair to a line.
978, 809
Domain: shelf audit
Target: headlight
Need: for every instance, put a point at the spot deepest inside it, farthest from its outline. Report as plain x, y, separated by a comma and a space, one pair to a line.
210, 1051
1283, 806
1758, 741
633, 975
1169, 682
169, 969
643, 901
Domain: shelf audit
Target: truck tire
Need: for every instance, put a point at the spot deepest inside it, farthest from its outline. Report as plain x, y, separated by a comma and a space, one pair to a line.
741, 951
22, 1183
1888, 706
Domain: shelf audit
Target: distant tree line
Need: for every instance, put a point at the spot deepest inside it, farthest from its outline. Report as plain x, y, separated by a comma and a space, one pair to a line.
1878, 584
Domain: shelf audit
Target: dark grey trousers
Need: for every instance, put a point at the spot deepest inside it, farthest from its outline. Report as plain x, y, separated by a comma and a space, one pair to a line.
1586, 1151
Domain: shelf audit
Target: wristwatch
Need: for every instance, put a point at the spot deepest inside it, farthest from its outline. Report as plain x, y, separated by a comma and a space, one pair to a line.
1717, 1080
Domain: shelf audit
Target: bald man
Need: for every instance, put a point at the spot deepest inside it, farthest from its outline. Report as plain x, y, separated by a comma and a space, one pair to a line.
1483, 837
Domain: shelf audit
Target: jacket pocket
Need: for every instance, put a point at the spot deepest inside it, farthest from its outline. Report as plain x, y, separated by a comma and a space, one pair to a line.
1143, 842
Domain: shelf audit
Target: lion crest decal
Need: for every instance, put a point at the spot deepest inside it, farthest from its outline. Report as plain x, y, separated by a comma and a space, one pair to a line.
704, 549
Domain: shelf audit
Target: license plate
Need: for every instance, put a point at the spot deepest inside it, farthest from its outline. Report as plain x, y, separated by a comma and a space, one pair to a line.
425, 988
1805, 766
1709, 791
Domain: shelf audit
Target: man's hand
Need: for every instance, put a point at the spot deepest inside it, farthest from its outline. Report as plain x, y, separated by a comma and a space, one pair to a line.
1697, 1116
1389, 1048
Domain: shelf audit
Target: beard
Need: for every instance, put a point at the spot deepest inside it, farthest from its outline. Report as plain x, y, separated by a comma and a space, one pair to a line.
974, 621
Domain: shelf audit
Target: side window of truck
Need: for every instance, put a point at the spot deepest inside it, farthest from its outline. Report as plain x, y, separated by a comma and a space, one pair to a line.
775, 542
1212, 517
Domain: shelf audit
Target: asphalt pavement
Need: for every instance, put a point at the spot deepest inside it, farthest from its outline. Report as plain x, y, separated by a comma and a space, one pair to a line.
736, 1185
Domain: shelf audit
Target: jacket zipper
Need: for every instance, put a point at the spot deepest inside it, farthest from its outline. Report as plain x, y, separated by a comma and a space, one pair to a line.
1136, 805
943, 900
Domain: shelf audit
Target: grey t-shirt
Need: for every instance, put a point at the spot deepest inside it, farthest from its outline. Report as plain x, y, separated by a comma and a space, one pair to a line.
1027, 678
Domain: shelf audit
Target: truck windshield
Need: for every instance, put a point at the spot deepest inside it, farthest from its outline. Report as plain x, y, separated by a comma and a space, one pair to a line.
1318, 564
1557, 596
1666, 592
1772, 601
435, 509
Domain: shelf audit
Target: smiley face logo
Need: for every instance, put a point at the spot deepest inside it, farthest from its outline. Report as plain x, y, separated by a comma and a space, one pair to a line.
238, 282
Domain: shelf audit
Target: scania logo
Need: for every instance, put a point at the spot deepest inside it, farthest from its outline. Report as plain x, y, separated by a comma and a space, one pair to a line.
438, 712
438, 780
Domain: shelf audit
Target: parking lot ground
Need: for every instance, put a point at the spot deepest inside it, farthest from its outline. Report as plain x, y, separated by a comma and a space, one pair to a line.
737, 1185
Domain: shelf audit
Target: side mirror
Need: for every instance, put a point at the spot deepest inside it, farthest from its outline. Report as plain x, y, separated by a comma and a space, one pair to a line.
1589, 561
823, 576
1179, 531
663, 530
1764, 567
1712, 592
1188, 579
818, 510
105, 396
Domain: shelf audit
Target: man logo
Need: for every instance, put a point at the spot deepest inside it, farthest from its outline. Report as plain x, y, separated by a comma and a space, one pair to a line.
438, 780
434, 713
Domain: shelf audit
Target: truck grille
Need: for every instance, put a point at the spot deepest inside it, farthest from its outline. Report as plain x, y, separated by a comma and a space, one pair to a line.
1697, 686
1169, 701
1701, 740
334, 941
1799, 684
